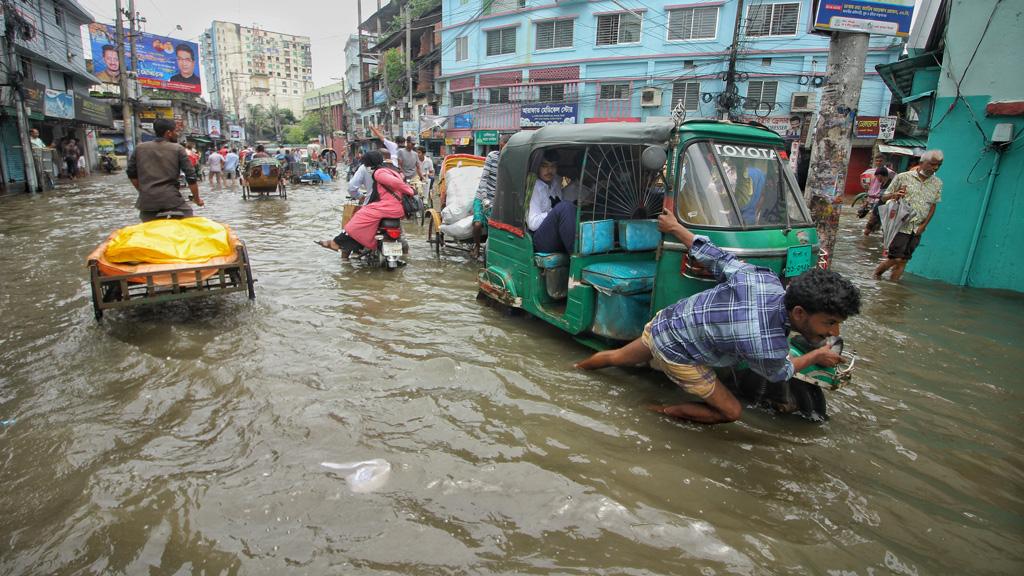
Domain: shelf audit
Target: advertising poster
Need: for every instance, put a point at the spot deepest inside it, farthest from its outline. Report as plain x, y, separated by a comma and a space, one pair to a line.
164, 62
35, 97
237, 132
213, 128
547, 114
885, 17
59, 104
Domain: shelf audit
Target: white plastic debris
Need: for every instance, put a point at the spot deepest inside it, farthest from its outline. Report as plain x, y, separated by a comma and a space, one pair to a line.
365, 476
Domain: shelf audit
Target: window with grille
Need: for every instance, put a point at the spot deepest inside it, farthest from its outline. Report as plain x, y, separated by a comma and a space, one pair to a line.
554, 34
496, 6
552, 93
461, 48
497, 95
618, 29
772, 19
462, 98
686, 92
759, 91
692, 23
501, 41
614, 91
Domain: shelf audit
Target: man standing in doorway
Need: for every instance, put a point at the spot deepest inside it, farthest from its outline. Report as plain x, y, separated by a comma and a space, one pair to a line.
920, 190
153, 169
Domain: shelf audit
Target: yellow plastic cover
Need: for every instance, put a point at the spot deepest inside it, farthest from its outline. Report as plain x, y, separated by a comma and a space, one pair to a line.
185, 241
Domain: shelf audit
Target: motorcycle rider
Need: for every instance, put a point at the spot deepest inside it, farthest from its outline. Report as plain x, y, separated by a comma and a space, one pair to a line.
385, 202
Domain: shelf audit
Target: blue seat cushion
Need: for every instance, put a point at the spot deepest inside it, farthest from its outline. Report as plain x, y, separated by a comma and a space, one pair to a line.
621, 277
551, 259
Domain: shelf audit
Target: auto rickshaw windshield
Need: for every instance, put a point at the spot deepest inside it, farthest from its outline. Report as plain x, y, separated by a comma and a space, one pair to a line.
737, 186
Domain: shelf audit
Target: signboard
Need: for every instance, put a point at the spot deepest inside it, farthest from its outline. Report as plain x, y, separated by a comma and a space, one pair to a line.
547, 114
236, 132
154, 113
887, 127
885, 17
35, 96
463, 121
213, 128
785, 126
163, 62
881, 127
93, 111
379, 97
410, 128
59, 104
486, 137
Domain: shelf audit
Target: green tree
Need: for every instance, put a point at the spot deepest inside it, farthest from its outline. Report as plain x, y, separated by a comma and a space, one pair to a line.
394, 64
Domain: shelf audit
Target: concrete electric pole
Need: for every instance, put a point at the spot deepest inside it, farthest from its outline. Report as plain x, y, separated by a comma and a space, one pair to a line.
833, 132
728, 100
27, 157
126, 107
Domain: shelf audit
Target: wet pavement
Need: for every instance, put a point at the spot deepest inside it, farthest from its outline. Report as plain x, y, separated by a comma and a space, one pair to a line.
190, 438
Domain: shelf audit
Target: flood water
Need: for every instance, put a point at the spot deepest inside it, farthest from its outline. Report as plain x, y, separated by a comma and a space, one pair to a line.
189, 438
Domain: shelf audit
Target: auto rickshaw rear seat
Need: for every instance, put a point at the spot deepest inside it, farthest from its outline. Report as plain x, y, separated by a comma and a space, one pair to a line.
623, 297
554, 267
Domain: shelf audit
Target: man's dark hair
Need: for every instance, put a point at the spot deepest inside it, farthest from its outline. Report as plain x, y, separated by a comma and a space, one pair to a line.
421, 149
373, 159
108, 48
185, 48
260, 148
825, 291
797, 118
162, 125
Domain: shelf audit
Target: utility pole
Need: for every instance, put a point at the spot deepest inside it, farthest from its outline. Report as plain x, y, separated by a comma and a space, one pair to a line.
408, 59
27, 157
727, 101
133, 77
383, 69
126, 106
837, 114
359, 44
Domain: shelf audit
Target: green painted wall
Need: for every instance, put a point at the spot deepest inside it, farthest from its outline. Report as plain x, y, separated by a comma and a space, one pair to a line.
962, 131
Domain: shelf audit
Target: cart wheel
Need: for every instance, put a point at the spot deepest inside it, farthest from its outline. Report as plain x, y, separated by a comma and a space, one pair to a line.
435, 237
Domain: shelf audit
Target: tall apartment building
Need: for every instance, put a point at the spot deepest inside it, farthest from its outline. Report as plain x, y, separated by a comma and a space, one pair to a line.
248, 66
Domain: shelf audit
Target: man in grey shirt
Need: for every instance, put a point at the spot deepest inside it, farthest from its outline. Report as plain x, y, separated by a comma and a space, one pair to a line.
408, 159
153, 170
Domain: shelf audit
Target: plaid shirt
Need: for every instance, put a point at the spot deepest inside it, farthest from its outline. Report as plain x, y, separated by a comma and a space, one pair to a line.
742, 318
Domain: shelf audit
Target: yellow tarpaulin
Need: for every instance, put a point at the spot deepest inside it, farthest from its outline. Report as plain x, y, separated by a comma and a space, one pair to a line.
185, 241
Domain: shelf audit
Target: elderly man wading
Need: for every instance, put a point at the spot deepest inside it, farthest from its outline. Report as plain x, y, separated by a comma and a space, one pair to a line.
920, 190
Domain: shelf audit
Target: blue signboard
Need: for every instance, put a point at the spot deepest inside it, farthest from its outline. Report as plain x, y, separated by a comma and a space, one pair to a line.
463, 121
537, 115
59, 104
379, 97
885, 17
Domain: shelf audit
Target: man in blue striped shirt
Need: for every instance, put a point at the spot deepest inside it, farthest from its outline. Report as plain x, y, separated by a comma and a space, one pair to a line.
485, 195
746, 317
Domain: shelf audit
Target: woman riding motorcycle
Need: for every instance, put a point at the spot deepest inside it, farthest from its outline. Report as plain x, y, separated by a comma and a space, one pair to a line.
385, 202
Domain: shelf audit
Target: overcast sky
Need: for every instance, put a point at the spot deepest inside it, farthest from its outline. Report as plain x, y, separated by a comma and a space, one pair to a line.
327, 22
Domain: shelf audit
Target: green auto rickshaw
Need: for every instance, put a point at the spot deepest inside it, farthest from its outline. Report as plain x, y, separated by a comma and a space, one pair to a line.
726, 180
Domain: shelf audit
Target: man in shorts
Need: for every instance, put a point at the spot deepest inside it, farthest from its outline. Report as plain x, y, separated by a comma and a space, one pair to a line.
746, 317
921, 189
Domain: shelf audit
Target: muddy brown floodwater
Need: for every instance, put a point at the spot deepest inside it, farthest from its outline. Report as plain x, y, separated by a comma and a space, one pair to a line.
190, 438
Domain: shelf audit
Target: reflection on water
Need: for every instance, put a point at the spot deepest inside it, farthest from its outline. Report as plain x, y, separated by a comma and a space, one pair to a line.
190, 437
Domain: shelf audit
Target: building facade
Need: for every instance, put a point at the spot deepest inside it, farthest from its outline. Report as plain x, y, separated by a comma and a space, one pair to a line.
329, 103
518, 64
251, 66
44, 46
961, 85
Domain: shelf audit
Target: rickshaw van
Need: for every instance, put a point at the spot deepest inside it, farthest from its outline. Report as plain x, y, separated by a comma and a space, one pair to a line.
728, 181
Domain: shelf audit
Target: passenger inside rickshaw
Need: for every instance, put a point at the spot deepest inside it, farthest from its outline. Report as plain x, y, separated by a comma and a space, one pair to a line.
610, 191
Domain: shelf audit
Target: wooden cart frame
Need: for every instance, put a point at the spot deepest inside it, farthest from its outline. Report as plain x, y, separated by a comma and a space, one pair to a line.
113, 291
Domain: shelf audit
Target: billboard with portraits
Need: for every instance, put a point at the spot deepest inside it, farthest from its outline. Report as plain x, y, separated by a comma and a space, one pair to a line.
166, 63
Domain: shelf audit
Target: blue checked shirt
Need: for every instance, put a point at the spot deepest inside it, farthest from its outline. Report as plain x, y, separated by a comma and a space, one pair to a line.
743, 318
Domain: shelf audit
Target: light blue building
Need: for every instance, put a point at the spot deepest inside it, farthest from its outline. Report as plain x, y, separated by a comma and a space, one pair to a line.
509, 65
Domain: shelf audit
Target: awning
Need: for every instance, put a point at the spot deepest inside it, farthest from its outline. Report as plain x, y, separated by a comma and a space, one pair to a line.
908, 142
886, 149
202, 139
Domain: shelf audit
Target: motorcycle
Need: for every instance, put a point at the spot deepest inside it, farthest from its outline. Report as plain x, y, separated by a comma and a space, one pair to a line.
108, 162
391, 247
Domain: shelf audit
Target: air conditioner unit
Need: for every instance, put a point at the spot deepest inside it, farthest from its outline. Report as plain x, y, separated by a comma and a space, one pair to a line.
803, 102
650, 97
